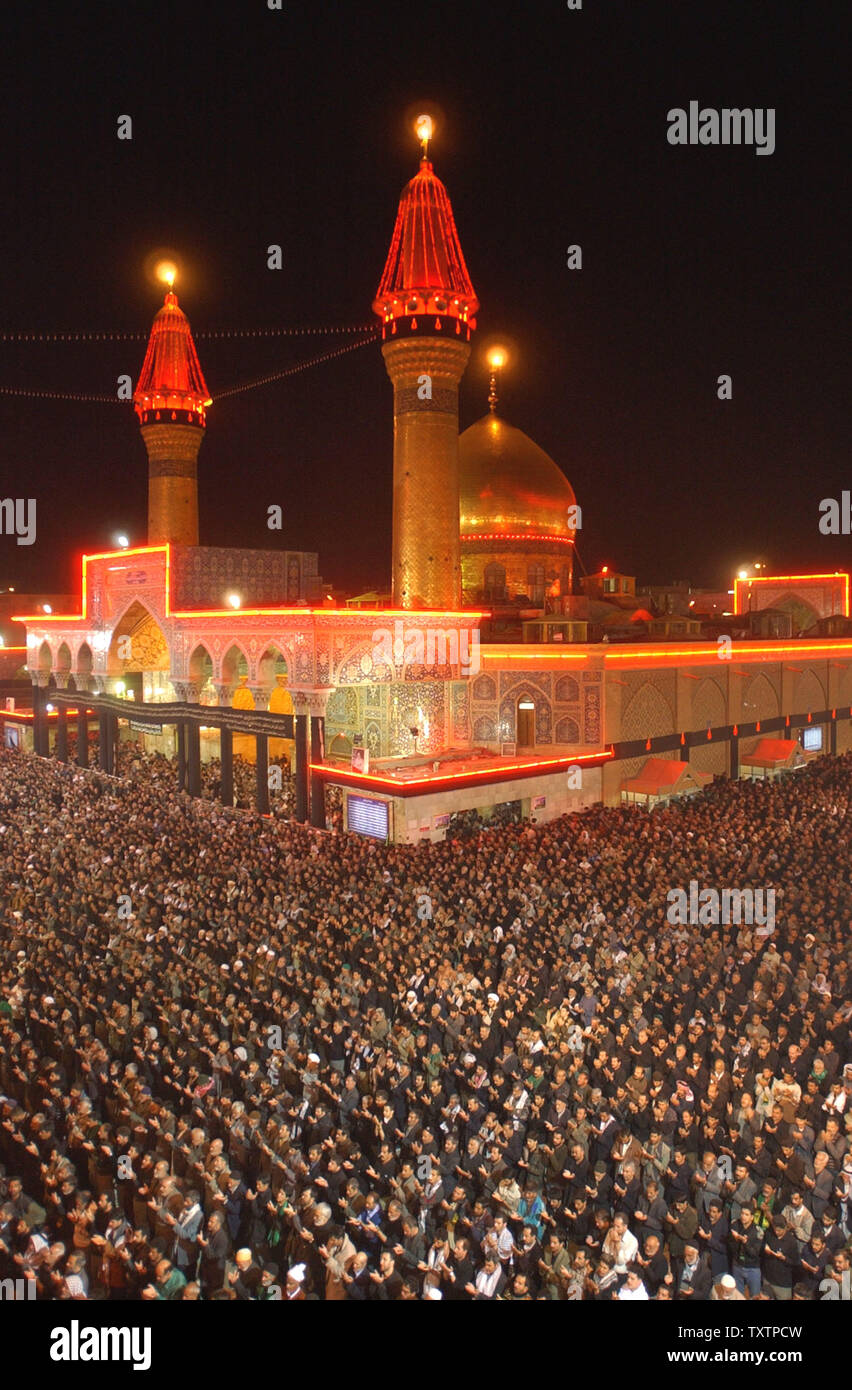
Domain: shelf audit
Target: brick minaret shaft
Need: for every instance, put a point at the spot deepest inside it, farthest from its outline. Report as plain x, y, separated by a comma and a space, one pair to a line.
172, 482
426, 560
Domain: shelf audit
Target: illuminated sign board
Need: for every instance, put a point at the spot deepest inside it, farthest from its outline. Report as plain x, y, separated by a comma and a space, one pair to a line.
367, 816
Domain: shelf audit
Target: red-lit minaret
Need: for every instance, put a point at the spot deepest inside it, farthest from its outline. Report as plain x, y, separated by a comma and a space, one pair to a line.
171, 400
427, 306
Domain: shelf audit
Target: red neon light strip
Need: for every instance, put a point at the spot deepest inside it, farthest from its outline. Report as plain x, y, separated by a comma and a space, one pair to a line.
28, 715
327, 613
497, 772
742, 650
490, 655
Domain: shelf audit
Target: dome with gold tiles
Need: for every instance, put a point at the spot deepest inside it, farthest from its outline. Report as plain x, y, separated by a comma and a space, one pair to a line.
508, 486
517, 515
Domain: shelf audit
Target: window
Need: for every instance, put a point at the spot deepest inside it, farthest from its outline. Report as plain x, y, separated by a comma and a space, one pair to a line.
536, 583
494, 580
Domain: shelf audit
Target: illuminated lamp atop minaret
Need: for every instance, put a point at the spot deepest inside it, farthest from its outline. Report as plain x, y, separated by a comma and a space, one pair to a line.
427, 306
171, 400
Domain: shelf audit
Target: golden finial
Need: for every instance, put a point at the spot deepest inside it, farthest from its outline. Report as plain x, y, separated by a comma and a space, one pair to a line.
166, 273
496, 361
424, 127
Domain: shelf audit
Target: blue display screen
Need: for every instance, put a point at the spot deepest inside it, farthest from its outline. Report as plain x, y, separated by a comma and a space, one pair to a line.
367, 817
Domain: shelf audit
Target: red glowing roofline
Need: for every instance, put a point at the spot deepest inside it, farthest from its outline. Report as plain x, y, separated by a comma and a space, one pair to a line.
653, 656
790, 579
410, 613
448, 779
29, 715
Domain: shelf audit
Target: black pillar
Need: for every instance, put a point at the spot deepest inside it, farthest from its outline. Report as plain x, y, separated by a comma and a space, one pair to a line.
103, 740
300, 730
40, 735
261, 771
82, 733
37, 720
181, 755
735, 757
62, 734
112, 742
45, 723
226, 756
317, 782
193, 757
833, 736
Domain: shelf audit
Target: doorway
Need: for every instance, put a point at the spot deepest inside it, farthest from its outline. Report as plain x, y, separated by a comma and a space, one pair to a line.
526, 723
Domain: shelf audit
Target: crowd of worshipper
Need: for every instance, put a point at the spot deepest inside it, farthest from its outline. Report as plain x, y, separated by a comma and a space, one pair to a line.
242, 1059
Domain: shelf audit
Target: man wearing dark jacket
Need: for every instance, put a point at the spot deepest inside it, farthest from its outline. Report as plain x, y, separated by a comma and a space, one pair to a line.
695, 1280
780, 1258
214, 1253
746, 1244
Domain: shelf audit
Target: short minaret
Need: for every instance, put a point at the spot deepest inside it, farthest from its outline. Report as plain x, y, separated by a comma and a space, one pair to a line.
427, 306
171, 399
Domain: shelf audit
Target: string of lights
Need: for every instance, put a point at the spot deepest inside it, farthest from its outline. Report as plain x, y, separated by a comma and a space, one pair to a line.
207, 334
291, 371
284, 332
55, 395
220, 395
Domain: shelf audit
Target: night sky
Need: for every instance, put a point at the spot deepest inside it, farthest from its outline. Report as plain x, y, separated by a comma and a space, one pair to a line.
253, 127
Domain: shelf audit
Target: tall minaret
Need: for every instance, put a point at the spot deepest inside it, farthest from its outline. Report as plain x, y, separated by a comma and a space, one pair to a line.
171, 398
427, 306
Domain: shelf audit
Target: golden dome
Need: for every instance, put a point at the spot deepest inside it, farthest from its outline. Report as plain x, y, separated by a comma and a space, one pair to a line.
509, 487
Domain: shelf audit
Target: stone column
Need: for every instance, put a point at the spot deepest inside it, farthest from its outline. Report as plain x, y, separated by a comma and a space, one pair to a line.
317, 783
41, 733
37, 718
300, 731
193, 757
103, 740
181, 754
301, 752
62, 734
61, 742
735, 756
226, 757
82, 732
309, 727
261, 772
113, 744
